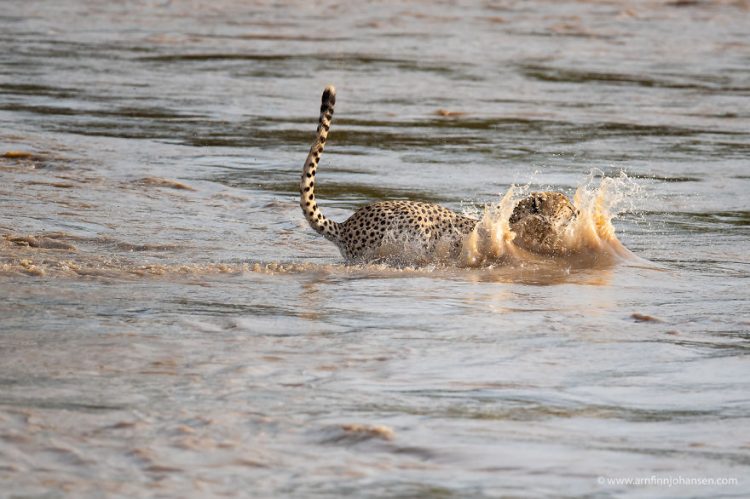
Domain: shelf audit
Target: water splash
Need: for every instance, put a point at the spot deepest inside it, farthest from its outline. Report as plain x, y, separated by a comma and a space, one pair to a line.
587, 240
599, 202
492, 239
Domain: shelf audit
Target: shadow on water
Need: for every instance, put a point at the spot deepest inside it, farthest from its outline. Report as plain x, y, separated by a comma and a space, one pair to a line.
486, 405
214, 309
704, 83
454, 134
306, 62
287, 181
64, 405
706, 222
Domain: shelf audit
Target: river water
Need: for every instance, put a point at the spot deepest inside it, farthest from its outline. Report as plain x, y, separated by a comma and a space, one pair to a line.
170, 325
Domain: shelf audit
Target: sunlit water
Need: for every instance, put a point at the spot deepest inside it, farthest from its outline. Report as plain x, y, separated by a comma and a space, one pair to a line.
171, 326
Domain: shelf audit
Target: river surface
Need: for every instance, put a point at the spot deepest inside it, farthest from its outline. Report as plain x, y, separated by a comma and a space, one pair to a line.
170, 326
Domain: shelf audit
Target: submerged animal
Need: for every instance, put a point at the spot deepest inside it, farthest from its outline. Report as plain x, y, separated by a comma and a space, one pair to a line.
537, 220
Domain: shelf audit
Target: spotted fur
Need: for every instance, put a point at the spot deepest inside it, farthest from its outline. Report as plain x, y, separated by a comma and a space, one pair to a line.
424, 224
539, 221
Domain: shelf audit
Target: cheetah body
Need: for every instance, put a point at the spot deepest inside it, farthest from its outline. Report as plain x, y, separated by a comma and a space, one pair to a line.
537, 219
424, 225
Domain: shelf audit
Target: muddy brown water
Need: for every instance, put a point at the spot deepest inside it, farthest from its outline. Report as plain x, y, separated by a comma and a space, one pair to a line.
169, 325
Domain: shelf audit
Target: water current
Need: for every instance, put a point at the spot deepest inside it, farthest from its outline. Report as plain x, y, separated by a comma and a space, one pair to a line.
171, 326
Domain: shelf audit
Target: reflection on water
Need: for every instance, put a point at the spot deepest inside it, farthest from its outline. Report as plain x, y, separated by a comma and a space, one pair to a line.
171, 326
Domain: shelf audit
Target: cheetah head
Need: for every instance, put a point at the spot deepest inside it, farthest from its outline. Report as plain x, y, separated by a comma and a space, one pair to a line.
539, 221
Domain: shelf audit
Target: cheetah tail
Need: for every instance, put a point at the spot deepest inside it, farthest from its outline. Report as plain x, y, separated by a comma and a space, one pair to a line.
321, 224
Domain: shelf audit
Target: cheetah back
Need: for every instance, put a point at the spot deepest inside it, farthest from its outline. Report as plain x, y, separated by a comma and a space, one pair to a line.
424, 224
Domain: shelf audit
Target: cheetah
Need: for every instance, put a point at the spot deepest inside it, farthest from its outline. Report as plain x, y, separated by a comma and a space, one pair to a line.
537, 219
